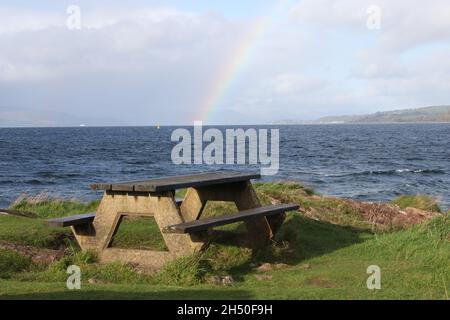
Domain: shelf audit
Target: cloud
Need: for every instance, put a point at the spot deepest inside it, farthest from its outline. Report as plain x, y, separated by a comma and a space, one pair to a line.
292, 83
14, 20
159, 60
155, 64
125, 43
405, 24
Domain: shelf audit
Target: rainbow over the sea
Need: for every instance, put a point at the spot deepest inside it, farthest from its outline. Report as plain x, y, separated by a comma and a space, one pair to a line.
239, 57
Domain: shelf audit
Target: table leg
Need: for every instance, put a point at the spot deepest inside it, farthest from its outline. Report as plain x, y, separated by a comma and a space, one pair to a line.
114, 205
242, 194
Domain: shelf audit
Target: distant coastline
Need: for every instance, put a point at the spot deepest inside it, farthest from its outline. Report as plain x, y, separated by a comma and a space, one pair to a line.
433, 114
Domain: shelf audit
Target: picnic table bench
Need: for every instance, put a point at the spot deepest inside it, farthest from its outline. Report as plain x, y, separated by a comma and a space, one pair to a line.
179, 220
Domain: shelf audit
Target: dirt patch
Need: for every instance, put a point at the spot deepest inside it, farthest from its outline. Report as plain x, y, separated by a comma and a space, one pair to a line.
263, 277
378, 215
37, 255
388, 215
320, 282
269, 266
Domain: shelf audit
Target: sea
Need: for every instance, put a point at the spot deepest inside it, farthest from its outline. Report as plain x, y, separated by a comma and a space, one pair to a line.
366, 162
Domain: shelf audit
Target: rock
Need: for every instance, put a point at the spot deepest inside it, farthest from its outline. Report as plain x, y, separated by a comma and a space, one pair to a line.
262, 277
227, 280
279, 266
268, 267
221, 280
264, 267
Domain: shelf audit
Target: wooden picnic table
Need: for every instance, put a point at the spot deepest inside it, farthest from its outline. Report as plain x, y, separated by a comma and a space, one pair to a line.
181, 223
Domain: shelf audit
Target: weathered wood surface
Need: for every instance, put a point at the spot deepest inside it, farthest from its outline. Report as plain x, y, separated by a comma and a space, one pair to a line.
71, 221
204, 224
177, 182
156, 198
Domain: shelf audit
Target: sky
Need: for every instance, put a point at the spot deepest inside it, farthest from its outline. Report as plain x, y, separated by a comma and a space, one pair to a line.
222, 62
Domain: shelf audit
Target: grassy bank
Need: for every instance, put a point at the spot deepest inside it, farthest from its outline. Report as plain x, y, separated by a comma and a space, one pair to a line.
321, 252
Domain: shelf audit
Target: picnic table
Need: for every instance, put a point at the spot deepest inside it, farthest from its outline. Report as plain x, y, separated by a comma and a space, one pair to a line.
180, 221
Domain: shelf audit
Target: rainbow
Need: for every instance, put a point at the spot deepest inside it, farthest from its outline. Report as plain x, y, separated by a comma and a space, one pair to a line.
230, 70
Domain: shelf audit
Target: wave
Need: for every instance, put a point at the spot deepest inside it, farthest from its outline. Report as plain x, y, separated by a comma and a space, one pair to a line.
6, 181
37, 182
49, 174
392, 172
33, 182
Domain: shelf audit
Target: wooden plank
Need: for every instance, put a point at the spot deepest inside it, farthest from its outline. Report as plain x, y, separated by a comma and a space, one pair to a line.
71, 221
101, 186
203, 224
177, 182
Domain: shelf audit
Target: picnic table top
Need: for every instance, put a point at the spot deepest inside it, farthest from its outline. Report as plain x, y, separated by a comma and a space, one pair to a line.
178, 182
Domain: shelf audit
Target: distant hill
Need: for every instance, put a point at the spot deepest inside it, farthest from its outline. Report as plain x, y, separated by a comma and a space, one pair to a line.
28, 117
426, 114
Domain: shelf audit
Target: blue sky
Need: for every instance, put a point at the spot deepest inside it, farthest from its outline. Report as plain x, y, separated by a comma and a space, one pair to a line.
147, 62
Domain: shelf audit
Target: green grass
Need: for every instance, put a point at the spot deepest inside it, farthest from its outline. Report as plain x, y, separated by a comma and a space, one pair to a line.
279, 189
414, 265
139, 233
422, 202
32, 232
185, 271
325, 259
45, 207
12, 262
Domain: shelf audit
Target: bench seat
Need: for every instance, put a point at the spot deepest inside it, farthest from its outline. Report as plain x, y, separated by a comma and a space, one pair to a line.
204, 224
71, 221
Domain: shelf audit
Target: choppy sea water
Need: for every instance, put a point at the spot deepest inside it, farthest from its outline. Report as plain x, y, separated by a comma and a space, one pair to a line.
366, 162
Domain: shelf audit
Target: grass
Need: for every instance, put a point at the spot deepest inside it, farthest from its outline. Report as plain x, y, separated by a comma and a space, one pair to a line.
185, 271
46, 207
138, 233
422, 202
32, 232
324, 258
12, 262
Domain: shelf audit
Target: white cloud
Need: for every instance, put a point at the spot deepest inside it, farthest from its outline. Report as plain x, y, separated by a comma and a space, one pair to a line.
160, 61
405, 24
15, 20
124, 42
287, 84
